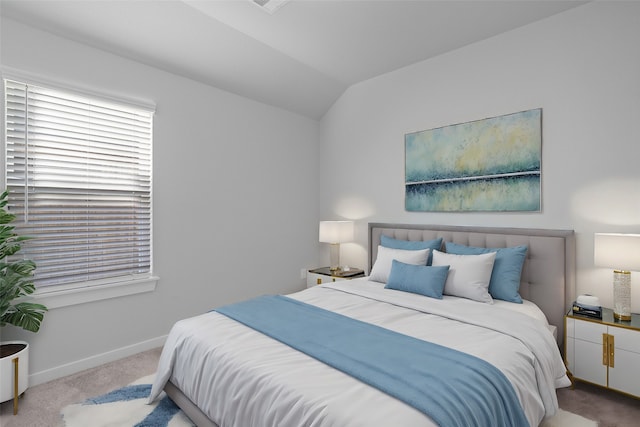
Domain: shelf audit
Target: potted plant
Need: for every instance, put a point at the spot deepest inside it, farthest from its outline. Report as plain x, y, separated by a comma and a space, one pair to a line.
15, 285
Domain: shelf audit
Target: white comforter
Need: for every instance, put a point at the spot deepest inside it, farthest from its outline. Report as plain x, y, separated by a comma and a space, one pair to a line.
239, 377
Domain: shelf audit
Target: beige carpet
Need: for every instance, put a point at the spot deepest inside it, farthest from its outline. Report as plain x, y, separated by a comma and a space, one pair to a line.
609, 408
41, 405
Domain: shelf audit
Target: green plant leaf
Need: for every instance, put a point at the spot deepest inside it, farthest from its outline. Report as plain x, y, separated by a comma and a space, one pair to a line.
23, 267
6, 217
15, 278
25, 315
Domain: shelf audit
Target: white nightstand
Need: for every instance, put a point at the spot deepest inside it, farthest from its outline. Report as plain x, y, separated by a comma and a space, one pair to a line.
605, 352
324, 275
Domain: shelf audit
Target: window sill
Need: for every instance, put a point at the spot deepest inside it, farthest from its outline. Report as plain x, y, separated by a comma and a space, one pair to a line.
56, 298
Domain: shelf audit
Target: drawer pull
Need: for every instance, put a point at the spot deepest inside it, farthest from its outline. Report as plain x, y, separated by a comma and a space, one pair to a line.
319, 281
605, 350
611, 351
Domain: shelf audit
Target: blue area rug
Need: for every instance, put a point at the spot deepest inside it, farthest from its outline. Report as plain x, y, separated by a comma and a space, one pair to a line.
126, 407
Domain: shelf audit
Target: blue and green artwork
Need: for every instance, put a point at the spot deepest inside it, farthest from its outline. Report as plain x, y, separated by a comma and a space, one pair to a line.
485, 165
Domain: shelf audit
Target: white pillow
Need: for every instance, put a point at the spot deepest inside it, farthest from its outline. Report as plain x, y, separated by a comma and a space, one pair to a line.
469, 275
382, 266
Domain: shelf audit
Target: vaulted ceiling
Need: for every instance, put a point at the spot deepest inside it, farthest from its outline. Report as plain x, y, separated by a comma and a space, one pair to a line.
301, 58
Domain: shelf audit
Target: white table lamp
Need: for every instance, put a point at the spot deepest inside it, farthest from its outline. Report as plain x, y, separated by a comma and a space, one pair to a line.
621, 252
335, 232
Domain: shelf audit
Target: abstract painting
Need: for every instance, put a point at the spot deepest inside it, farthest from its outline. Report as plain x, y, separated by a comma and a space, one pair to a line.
485, 165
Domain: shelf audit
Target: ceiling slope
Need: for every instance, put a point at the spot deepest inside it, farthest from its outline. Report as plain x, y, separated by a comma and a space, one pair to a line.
300, 58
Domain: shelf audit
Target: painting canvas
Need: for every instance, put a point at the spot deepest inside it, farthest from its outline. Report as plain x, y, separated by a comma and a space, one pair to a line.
485, 165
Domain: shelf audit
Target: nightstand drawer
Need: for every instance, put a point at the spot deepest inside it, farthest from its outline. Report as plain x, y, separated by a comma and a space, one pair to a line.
589, 331
570, 328
318, 279
626, 339
322, 275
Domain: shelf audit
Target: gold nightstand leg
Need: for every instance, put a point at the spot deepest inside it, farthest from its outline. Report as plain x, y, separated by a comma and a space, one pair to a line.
15, 386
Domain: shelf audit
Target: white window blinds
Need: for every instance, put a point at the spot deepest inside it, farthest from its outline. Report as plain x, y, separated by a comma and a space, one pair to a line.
78, 172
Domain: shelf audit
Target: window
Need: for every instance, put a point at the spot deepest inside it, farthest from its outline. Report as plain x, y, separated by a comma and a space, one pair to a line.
78, 171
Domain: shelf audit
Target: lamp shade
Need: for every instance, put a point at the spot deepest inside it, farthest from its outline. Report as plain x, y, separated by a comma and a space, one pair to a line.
336, 231
618, 251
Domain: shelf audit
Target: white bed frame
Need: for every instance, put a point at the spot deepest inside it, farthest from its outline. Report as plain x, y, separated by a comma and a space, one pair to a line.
548, 275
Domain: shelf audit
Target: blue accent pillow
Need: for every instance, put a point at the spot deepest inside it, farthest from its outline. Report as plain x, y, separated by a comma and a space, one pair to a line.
411, 245
507, 269
418, 279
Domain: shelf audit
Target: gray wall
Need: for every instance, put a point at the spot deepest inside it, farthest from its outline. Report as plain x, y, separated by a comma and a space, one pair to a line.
234, 203
582, 67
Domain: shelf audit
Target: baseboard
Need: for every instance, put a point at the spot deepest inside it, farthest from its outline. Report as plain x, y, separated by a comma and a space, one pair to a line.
93, 361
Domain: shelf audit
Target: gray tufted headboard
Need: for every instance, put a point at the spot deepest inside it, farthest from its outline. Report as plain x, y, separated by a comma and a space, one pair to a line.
548, 275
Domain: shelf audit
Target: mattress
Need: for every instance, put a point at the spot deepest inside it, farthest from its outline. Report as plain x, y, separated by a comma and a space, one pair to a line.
239, 377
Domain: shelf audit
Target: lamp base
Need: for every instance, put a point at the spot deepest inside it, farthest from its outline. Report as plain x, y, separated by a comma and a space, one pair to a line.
334, 256
622, 295
623, 317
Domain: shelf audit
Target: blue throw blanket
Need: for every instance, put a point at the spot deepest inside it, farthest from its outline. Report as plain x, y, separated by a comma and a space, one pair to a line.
451, 387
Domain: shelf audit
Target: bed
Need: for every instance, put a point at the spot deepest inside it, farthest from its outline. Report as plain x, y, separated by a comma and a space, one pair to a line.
224, 373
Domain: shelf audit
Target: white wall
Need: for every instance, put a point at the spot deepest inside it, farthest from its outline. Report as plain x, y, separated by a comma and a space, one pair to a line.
581, 67
234, 203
